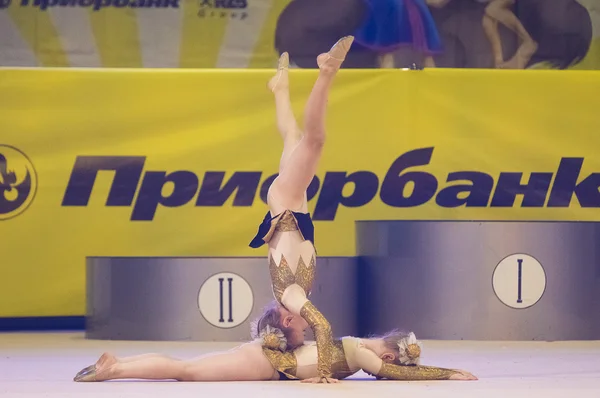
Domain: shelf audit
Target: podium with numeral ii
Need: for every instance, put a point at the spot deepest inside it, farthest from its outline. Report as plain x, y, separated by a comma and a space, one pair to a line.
201, 299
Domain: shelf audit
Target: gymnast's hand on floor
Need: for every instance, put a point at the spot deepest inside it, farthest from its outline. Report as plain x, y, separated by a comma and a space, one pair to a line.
462, 375
319, 379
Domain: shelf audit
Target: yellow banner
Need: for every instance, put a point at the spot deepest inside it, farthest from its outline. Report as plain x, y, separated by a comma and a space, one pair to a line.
173, 163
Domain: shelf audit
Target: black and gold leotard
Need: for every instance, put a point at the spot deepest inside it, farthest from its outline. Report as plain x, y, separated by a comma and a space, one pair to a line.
292, 266
286, 221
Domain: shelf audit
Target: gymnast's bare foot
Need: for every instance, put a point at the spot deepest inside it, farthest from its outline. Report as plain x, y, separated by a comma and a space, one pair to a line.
463, 375
99, 371
281, 79
331, 61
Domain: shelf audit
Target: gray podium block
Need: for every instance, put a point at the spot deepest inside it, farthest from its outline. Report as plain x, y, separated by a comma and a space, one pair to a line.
436, 278
145, 298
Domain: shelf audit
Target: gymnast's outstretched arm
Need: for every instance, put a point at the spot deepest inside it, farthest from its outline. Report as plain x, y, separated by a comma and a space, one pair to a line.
244, 363
295, 300
372, 364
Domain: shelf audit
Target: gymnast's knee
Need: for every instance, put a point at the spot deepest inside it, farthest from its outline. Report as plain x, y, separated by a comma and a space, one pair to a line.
187, 373
494, 7
315, 139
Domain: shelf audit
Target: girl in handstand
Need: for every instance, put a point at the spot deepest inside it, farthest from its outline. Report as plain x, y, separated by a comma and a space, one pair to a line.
287, 227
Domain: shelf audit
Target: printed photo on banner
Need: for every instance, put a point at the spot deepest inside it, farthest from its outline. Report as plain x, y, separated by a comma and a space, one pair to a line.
504, 34
496, 34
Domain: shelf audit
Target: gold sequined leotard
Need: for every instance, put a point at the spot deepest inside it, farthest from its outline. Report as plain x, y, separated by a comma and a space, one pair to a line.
301, 363
282, 275
292, 266
348, 356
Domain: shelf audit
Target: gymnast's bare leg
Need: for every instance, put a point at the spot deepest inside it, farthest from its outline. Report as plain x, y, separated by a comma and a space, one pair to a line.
302, 150
286, 121
498, 11
243, 363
